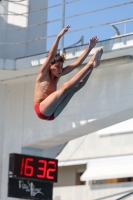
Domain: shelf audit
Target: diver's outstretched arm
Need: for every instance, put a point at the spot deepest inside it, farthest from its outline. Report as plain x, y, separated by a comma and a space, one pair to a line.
53, 50
81, 58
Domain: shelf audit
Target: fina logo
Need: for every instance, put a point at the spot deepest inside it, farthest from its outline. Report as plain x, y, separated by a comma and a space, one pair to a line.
29, 187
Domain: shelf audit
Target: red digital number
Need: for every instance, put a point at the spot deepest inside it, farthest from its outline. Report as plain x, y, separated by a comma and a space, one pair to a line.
46, 169
28, 170
43, 169
22, 166
51, 169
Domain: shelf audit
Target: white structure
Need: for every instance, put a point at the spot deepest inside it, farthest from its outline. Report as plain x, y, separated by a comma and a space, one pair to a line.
14, 29
103, 107
107, 96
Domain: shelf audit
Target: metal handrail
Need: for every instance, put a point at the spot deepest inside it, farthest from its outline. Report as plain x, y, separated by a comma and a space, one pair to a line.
122, 22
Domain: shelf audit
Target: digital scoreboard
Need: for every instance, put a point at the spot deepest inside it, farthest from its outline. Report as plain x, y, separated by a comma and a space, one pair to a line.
33, 168
31, 177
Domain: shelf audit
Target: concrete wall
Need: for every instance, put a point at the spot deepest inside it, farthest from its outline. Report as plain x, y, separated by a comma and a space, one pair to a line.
108, 191
2, 105
108, 90
3, 24
13, 28
71, 193
12, 130
94, 145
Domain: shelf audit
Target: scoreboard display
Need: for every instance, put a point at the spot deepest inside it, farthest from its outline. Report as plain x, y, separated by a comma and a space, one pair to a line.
33, 168
31, 177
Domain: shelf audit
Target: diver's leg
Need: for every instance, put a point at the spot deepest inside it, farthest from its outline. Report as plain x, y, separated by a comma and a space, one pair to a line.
51, 103
69, 96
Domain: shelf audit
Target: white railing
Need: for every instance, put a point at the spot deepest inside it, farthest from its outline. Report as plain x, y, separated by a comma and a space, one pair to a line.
124, 24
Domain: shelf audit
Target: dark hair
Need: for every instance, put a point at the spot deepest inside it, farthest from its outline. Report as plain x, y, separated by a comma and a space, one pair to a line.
57, 58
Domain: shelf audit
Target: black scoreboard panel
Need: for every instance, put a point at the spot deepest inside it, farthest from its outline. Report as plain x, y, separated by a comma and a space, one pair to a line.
33, 167
31, 177
26, 189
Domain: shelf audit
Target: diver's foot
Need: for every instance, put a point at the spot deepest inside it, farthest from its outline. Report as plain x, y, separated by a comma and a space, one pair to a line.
96, 58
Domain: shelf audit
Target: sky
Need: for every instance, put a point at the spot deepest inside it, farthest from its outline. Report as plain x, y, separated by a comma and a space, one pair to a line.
87, 20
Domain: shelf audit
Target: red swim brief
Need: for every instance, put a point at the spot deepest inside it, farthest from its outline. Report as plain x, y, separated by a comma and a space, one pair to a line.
40, 115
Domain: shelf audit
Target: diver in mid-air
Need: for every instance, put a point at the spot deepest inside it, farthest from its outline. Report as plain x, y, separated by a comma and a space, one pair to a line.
48, 101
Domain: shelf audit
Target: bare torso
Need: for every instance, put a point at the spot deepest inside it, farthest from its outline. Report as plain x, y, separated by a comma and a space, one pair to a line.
44, 86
